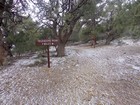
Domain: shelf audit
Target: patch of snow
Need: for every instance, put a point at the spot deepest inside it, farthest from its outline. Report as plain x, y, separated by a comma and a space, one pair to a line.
52, 48
135, 67
56, 61
34, 56
128, 41
125, 41
138, 43
25, 62
70, 52
77, 65
120, 60
116, 42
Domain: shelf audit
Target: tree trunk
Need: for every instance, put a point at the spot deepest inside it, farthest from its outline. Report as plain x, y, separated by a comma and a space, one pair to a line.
3, 55
110, 37
61, 50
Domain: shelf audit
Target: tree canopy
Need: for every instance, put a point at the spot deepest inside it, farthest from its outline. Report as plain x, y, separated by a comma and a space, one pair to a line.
64, 19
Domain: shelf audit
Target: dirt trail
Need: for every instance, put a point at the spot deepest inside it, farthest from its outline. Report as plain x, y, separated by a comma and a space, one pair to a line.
106, 75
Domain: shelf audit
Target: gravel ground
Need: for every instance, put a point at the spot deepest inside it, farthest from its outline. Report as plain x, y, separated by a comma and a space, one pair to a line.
107, 75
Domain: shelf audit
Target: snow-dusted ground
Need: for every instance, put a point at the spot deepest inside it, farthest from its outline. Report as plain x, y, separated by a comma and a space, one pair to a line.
107, 75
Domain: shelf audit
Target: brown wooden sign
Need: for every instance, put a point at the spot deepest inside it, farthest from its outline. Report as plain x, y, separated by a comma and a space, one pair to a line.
46, 42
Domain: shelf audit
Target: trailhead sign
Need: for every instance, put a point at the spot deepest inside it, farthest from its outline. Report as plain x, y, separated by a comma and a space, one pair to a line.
47, 42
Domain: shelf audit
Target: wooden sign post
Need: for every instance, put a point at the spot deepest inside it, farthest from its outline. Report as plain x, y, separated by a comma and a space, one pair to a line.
48, 56
48, 43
